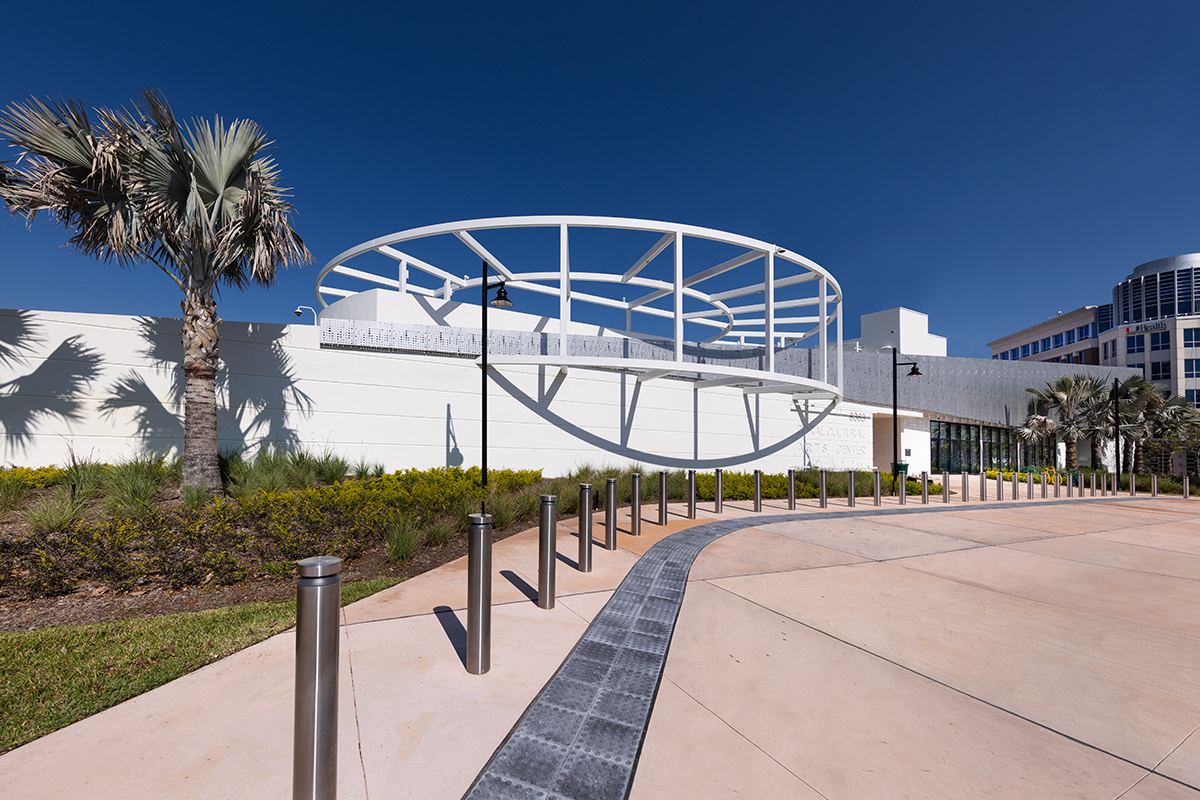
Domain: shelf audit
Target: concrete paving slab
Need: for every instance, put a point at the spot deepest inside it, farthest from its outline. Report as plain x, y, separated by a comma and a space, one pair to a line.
869, 537
972, 527
1155, 601
756, 550
1184, 763
852, 725
1089, 549
1171, 537
1081, 519
1156, 787
586, 605
1124, 688
678, 757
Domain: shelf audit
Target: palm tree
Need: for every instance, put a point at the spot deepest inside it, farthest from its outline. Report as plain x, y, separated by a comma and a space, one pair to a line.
1067, 398
1097, 418
1040, 428
1140, 401
199, 201
1169, 423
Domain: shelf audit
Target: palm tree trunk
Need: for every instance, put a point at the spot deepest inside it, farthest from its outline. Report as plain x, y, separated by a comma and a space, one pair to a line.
1072, 454
1139, 465
1127, 458
1097, 452
200, 360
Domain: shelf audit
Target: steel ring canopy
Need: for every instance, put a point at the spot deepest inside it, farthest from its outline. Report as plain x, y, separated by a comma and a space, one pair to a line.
759, 292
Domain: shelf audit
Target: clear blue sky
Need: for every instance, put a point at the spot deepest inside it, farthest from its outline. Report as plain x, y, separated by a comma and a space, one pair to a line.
988, 164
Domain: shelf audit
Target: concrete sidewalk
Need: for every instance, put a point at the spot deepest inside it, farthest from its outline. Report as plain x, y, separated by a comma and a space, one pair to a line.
1014, 649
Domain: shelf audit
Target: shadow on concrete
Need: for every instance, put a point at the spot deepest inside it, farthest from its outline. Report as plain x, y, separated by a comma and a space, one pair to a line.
454, 629
520, 583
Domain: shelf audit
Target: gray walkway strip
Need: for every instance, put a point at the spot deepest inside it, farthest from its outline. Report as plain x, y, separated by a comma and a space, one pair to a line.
581, 737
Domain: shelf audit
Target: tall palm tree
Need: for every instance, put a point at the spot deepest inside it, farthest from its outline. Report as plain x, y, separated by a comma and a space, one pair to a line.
200, 201
1140, 401
1097, 418
1066, 398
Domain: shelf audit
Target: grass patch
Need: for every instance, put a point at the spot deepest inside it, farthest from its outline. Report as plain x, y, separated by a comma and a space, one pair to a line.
52, 677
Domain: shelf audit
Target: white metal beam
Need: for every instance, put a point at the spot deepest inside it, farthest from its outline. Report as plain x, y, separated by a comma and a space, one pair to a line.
564, 289
758, 287
679, 297
648, 256
733, 263
483, 253
769, 308
655, 374
366, 276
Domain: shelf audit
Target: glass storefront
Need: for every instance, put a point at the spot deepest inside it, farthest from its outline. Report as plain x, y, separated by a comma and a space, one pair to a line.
961, 447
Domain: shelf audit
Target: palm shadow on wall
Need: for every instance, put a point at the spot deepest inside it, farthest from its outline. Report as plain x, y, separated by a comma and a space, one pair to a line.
52, 389
253, 404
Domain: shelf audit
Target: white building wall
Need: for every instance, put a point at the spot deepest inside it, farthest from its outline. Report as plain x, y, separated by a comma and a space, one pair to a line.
108, 386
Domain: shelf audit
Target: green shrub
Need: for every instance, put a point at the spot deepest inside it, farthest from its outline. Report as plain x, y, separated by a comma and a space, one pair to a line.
400, 538
129, 487
331, 468
55, 513
33, 478
13, 492
194, 497
438, 531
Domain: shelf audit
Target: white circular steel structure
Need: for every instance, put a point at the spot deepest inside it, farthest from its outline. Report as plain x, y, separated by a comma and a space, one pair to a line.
756, 293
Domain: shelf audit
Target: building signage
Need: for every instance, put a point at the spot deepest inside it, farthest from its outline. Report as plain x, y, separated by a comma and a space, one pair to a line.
1145, 327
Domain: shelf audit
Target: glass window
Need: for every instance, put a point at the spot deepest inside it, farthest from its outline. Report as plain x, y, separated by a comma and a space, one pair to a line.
1036, 346
1025, 351
1141, 366
1191, 337
1135, 344
1193, 396
1191, 368
1046, 343
1058, 340
1160, 340
1103, 349
1085, 332
1071, 336
1160, 370
1015, 353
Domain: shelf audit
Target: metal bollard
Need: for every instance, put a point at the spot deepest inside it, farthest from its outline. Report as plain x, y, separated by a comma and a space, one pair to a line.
999, 485
635, 505
718, 486
1028, 485
945, 487
792, 488
1071, 485
1132, 483
585, 527
1104, 484
1057, 485
314, 746
547, 550
902, 486
850, 488
1154, 485
610, 514
479, 594
878, 489
1187, 487
691, 491
983, 486
1016, 494
823, 496
1093, 484
966, 487
758, 490
662, 498
925, 488
1043, 486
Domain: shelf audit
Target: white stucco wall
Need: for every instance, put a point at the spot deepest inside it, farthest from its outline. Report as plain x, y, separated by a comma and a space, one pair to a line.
108, 386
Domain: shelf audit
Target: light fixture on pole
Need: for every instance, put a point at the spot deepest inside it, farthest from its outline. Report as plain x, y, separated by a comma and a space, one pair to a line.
912, 373
300, 312
501, 301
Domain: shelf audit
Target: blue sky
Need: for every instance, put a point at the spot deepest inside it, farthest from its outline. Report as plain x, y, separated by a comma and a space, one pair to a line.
987, 164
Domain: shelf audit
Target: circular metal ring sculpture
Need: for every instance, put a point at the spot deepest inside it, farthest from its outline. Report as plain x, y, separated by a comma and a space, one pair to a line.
787, 297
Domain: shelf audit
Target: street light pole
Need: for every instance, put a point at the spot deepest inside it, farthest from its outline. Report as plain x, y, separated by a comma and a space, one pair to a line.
913, 373
1117, 426
501, 301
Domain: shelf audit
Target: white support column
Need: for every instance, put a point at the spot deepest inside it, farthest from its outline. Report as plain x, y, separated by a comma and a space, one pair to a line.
840, 306
447, 290
824, 333
678, 297
564, 289
402, 277
769, 308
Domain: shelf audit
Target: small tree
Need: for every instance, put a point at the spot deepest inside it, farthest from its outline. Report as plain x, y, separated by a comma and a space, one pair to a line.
200, 201
1067, 399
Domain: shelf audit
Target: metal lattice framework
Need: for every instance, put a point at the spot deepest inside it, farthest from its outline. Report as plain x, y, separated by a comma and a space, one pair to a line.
763, 293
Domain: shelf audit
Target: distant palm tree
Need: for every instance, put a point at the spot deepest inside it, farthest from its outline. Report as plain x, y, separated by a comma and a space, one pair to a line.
199, 201
1040, 428
1140, 401
1067, 399
1097, 418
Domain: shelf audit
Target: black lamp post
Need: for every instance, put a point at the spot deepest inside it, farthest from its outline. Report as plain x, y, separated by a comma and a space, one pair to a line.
912, 373
501, 301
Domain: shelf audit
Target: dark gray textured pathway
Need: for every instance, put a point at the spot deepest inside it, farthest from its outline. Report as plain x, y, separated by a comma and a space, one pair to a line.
581, 737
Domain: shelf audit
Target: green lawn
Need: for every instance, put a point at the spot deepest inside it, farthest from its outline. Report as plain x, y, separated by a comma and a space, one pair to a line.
52, 677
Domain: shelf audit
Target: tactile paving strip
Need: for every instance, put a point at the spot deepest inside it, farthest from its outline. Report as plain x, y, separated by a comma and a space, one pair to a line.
581, 737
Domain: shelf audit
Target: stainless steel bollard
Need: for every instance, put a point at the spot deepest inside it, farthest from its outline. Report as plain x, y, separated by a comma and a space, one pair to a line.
758, 490
1028, 485
1043, 486
1132, 483
718, 489
547, 550
823, 493
691, 491
945, 487
966, 488
314, 746
1071, 484
1093, 484
925, 488
1016, 487
610, 514
585, 527
479, 594
983, 486
1187, 487
902, 487
850, 488
878, 489
999, 485
1154, 485
635, 505
662, 498
1057, 485
791, 488
1104, 484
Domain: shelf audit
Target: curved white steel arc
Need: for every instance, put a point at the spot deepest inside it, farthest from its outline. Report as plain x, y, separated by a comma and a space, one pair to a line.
731, 322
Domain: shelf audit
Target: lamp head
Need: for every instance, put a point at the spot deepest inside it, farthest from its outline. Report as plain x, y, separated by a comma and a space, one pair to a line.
297, 312
914, 372
501, 300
